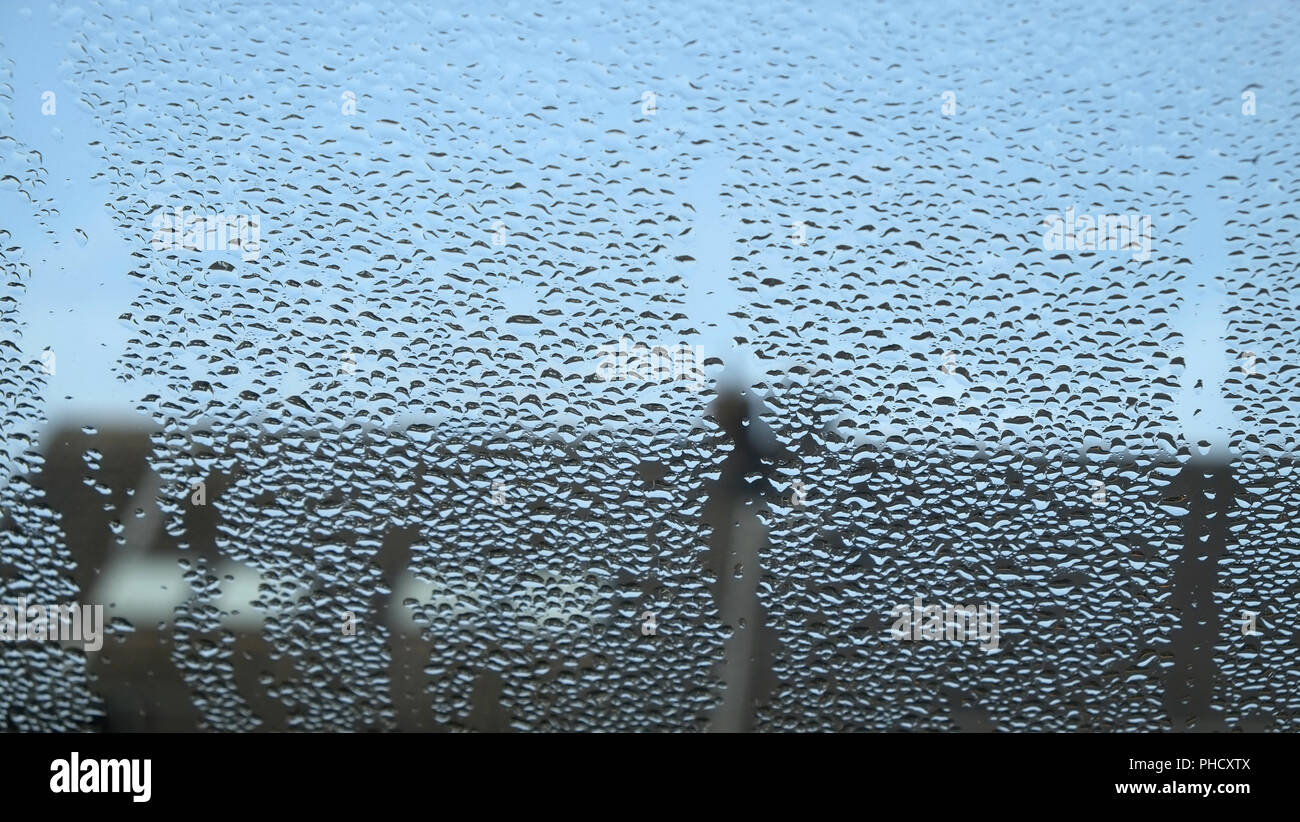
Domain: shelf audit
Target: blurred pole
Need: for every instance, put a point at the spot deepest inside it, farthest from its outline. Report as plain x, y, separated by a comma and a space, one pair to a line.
735, 551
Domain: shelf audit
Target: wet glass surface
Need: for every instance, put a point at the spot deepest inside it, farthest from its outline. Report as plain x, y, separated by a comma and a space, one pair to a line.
593, 367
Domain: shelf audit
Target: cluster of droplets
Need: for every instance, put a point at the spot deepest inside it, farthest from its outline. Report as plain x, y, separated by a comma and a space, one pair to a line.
397, 410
